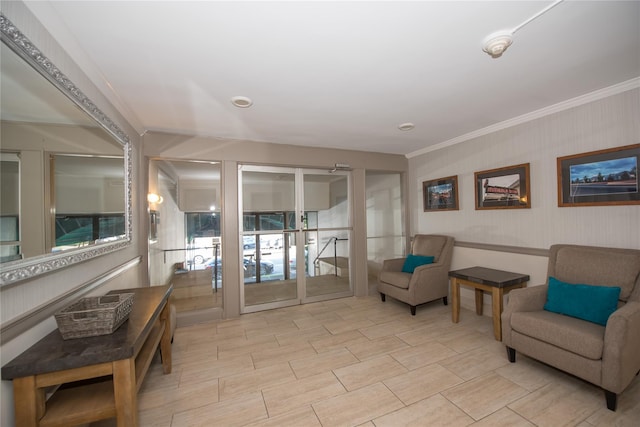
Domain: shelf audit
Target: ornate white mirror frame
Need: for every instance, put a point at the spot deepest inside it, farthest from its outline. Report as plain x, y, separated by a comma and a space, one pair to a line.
16, 271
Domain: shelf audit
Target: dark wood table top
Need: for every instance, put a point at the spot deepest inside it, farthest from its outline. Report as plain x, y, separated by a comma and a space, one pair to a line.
489, 276
52, 353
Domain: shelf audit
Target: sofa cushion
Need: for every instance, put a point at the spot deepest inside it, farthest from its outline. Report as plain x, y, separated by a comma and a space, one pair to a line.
577, 336
592, 303
396, 278
596, 266
414, 261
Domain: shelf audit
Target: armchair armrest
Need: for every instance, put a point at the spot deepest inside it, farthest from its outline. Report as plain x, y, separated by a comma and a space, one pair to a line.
523, 299
620, 362
429, 281
426, 271
527, 299
394, 264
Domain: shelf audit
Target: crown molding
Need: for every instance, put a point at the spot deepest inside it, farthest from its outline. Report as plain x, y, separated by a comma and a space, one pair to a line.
555, 108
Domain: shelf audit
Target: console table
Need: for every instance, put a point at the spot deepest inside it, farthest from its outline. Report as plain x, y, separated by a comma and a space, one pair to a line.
497, 282
99, 376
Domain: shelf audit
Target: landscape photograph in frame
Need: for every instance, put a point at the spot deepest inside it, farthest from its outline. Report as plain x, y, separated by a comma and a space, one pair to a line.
440, 194
503, 188
600, 178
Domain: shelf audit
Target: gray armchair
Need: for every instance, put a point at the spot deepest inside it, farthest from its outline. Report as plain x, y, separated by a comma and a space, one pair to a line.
428, 282
606, 356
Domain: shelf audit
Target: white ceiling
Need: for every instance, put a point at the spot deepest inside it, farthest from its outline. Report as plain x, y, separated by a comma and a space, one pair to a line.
343, 74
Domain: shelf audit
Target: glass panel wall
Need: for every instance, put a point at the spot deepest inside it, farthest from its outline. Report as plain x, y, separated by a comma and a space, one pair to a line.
385, 218
268, 237
327, 225
185, 235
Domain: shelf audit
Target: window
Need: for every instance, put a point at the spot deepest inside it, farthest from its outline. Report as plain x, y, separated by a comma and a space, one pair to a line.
9, 207
9, 241
81, 230
202, 225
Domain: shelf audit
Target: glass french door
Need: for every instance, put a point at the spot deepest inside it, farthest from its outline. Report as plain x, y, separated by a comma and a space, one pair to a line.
294, 236
327, 233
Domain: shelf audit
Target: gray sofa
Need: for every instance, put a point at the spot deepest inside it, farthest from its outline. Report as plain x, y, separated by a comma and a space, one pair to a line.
428, 282
607, 356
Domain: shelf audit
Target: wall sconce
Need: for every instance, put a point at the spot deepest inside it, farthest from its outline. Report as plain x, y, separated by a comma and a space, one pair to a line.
154, 198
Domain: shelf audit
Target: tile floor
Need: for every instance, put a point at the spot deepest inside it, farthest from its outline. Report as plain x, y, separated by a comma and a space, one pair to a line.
193, 290
361, 362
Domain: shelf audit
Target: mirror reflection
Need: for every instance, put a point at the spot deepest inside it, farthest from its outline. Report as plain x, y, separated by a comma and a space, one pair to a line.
89, 203
185, 239
62, 176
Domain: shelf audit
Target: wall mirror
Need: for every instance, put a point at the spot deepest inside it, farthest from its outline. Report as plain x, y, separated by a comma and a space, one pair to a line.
65, 168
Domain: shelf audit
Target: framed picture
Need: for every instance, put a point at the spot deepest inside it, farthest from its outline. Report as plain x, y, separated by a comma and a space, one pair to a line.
503, 188
440, 194
600, 178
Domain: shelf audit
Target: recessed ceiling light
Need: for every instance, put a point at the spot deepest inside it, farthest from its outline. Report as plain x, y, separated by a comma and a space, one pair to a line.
241, 101
406, 126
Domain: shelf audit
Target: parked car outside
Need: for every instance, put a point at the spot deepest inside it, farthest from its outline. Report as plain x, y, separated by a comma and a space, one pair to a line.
266, 267
248, 242
201, 249
292, 257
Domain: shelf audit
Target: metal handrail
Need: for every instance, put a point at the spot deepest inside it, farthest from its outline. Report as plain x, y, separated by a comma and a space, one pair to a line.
335, 254
164, 251
216, 255
323, 248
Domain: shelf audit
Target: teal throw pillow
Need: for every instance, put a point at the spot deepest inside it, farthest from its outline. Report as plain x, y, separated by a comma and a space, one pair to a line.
414, 261
592, 303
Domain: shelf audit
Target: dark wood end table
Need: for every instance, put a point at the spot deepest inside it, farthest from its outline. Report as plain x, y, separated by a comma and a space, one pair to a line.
124, 356
497, 282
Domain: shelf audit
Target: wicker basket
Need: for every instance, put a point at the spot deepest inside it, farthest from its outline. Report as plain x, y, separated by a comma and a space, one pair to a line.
94, 316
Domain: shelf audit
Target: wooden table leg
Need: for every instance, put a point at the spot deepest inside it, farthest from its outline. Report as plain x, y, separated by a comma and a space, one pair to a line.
28, 401
455, 303
496, 302
124, 391
165, 341
479, 301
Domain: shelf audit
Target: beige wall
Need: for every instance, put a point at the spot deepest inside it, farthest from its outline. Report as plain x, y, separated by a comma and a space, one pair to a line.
385, 218
609, 122
188, 147
606, 123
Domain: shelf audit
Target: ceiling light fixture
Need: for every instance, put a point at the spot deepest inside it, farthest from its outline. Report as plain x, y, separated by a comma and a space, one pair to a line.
496, 43
241, 101
406, 126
